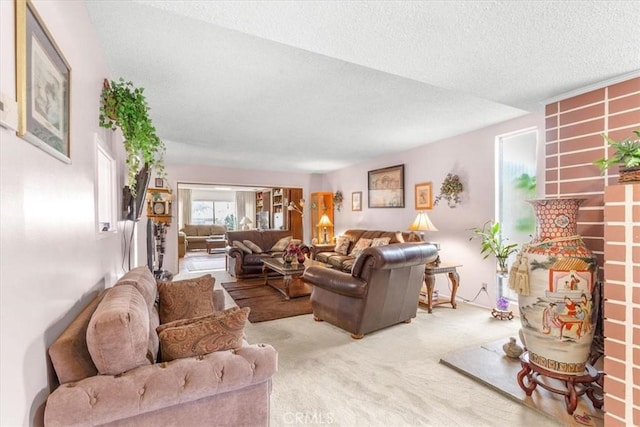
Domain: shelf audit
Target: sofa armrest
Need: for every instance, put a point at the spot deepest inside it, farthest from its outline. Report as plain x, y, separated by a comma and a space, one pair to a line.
316, 249
106, 398
335, 281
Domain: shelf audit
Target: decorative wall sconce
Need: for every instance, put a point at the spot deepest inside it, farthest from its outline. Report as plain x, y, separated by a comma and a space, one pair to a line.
293, 207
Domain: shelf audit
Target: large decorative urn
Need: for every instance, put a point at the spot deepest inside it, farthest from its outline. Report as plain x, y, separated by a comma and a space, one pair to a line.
554, 277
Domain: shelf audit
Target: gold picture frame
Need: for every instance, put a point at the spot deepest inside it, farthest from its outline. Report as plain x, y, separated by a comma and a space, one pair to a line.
386, 187
43, 85
424, 196
356, 201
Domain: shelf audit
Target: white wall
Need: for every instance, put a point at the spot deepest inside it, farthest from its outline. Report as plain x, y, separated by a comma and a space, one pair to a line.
51, 257
471, 156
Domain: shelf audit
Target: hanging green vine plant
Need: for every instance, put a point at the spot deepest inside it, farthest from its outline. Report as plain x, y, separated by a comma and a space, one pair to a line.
124, 106
450, 191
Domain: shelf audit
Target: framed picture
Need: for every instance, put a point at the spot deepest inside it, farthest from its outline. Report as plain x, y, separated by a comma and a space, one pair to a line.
159, 183
43, 81
424, 196
386, 187
356, 201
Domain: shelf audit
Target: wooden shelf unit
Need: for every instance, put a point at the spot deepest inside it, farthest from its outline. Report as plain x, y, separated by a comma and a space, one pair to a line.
162, 197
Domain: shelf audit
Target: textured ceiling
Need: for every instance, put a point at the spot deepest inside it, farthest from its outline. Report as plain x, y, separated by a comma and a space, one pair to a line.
317, 85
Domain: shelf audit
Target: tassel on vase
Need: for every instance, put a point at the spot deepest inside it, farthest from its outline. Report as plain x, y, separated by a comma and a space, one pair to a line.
513, 271
522, 277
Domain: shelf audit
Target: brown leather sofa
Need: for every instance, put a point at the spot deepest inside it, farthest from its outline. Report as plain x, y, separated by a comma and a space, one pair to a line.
382, 290
241, 264
326, 253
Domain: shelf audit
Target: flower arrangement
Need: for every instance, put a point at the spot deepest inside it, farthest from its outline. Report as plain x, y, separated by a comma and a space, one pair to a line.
450, 191
293, 252
337, 200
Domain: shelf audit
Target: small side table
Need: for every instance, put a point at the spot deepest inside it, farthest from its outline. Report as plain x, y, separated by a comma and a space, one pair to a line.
430, 272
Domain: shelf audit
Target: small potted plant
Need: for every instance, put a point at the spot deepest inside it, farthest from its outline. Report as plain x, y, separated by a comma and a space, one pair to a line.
492, 242
450, 191
124, 106
626, 157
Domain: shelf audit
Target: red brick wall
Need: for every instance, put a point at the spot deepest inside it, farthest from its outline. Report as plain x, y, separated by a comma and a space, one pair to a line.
573, 141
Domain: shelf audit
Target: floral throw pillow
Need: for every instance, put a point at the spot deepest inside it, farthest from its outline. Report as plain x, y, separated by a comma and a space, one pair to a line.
342, 245
380, 241
219, 331
360, 246
185, 299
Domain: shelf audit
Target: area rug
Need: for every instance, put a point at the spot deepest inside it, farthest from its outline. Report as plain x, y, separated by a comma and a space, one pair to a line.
265, 302
489, 365
204, 263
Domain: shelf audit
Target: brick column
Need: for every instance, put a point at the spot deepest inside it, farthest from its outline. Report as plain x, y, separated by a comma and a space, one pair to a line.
622, 305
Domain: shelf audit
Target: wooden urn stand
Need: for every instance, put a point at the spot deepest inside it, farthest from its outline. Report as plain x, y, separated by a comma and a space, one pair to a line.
590, 382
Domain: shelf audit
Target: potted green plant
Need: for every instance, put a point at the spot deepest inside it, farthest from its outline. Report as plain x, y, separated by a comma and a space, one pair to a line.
450, 191
124, 106
492, 242
626, 156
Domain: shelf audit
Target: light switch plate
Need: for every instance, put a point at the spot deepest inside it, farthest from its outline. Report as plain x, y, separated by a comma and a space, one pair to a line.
8, 112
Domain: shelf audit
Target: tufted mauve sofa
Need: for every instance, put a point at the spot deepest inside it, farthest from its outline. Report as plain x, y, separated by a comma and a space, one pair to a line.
122, 383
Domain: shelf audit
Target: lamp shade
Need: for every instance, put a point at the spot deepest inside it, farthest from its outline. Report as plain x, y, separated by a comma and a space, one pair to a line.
245, 221
324, 221
422, 223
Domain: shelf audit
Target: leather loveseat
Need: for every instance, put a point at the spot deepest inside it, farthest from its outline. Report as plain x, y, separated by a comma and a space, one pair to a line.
107, 380
343, 259
245, 260
193, 237
382, 289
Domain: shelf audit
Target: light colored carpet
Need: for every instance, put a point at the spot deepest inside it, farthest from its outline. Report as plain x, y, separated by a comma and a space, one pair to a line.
389, 378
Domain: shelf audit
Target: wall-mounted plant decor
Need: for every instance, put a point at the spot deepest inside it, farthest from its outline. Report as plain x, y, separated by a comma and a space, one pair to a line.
337, 200
123, 105
450, 191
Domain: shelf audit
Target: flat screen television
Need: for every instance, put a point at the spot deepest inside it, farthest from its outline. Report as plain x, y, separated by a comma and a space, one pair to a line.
132, 206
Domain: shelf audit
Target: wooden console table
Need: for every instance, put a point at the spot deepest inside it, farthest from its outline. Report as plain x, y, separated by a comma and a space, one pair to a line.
430, 272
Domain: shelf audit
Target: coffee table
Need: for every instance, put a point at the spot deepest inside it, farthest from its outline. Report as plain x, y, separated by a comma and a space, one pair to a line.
215, 243
289, 288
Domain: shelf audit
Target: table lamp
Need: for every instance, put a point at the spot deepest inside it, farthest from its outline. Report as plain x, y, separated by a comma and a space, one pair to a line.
421, 224
245, 222
324, 223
